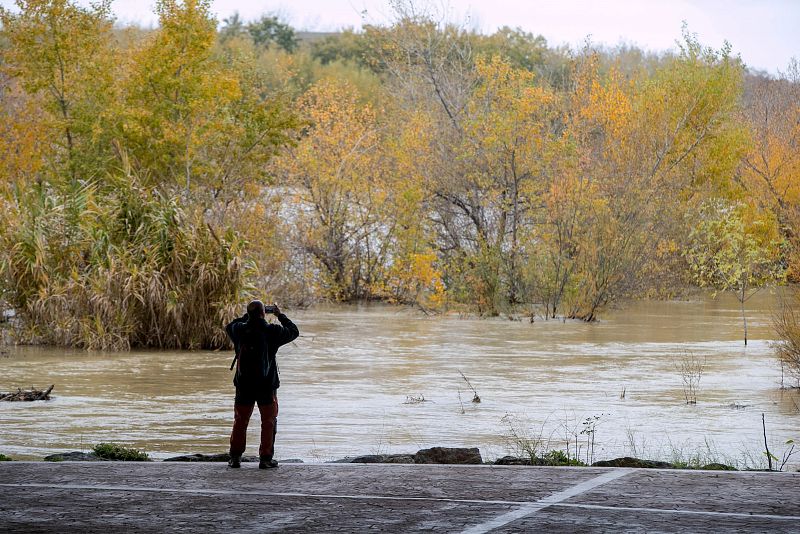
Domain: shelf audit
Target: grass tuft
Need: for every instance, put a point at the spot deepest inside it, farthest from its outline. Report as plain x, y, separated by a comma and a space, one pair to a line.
111, 451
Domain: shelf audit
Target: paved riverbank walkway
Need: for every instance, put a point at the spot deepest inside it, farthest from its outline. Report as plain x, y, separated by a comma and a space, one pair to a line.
193, 497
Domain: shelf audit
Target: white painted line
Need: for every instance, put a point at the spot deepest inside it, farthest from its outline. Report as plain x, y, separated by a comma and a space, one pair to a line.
679, 512
555, 498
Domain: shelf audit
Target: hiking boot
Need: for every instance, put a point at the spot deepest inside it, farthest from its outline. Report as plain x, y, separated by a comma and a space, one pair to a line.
265, 462
235, 462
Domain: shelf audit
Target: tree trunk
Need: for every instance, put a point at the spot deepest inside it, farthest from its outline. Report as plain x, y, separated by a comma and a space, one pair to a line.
744, 318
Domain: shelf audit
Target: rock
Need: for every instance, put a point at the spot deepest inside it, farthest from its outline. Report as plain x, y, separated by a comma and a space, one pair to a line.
383, 459
448, 455
547, 461
74, 456
512, 460
718, 467
634, 462
435, 455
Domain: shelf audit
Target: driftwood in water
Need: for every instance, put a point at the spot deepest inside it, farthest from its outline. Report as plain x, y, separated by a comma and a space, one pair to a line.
32, 395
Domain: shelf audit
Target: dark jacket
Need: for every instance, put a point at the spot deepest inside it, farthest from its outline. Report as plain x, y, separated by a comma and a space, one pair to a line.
263, 339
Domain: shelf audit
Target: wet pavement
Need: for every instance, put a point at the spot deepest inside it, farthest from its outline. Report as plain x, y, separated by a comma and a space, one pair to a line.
177, 497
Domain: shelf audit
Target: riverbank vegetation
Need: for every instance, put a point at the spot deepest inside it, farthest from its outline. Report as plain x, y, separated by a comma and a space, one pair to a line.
787, 326
573, 441
113, 451
152, 180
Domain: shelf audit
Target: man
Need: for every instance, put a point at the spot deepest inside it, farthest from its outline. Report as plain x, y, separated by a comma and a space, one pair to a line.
256, 342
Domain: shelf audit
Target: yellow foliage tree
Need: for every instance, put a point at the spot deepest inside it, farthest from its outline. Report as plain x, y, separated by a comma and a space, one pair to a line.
62, 56
770, 169
334, 177
194, 118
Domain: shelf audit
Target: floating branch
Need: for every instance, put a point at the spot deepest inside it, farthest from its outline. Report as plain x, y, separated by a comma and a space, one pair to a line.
32, 395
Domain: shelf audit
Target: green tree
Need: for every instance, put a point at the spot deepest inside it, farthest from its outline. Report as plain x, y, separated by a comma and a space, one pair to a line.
232, 26
269, 29
519, 48
195, 118
734, 247
346, 46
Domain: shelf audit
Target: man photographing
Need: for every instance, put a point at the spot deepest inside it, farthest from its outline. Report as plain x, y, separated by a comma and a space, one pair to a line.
256, 342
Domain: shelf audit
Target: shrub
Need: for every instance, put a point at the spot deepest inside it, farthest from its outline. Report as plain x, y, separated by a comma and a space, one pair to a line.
559, 458
111, 451
787, 326
4, 458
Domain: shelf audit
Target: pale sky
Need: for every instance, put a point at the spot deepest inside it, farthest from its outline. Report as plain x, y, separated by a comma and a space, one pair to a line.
765, 32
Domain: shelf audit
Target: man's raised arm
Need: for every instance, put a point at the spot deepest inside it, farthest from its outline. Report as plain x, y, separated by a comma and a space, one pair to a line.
287, 331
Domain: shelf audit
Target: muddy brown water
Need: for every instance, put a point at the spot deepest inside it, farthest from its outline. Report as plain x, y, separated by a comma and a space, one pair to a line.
349, 384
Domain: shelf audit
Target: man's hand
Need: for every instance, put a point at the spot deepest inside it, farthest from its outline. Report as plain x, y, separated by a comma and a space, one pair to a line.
275, 309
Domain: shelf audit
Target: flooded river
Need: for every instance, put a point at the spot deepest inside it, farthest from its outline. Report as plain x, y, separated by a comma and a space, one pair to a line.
351, 384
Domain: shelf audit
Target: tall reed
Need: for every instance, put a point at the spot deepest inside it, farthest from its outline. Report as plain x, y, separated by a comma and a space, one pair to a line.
117, 265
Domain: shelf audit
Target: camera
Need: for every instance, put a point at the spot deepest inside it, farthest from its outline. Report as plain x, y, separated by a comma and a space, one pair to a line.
270, 309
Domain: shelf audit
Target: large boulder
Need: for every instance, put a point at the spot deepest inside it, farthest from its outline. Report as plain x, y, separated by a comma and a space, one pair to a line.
74, 456
512, 460
383, 459
634, 462
718, 467
448, 455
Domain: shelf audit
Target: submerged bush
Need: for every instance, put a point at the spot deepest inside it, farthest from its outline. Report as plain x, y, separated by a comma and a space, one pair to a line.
118, 266
110, 451
787, 326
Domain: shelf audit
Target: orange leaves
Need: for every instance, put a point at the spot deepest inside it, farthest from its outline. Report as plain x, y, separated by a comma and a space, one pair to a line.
610, 105
770, 169
506, 108
337, 147
22, 137
415, 279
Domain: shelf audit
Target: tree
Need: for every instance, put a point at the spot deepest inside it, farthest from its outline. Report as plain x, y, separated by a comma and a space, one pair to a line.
787, 326
232, 27
770, 170
269, 29
346, 46
648, 147
507, 141
334, 170
734, 247
519, 48
194, 119
62, 56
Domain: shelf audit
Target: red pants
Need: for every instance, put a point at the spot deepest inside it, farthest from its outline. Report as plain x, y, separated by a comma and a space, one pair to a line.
269, 427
